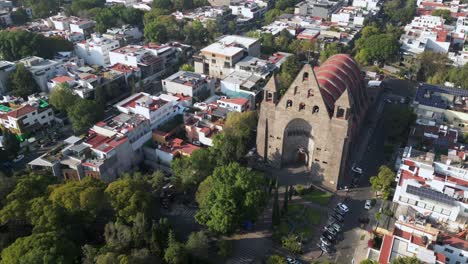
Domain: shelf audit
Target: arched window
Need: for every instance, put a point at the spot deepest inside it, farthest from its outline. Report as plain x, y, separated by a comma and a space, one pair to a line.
289, 103
305, 76
301, 106
315, 109
269, 97
310, 93
340, 113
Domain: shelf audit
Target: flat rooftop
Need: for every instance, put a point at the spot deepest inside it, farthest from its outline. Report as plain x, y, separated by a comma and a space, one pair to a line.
186, 78
230, 45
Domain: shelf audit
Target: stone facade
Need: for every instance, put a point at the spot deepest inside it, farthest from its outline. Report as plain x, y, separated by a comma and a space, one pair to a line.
315, 121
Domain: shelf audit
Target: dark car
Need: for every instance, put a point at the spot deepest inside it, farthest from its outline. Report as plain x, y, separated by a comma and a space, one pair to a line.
339, 211
329, 236
338, 217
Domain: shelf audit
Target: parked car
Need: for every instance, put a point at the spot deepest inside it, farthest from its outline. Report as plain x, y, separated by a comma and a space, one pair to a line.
330, 230
329, 236
293, 261
368, 205
325, 241
325, 248
19, 158
339, 211
343, 207
337, 227
338, 217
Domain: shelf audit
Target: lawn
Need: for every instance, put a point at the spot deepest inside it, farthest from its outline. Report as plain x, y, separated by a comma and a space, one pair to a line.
312, 216
317, 196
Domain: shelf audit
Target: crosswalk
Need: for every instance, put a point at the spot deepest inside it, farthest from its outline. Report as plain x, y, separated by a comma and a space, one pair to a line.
245, 255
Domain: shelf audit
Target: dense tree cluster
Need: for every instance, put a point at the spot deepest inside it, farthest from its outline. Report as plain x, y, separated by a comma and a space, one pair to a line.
400, 12
89, 221
11, 145
436, 68
83, 113
375, 45
383, 181
21, 82
42, 8
17, 44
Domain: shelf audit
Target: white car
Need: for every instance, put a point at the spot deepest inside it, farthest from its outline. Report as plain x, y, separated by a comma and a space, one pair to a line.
343, 207
356, 169
19, 158
368, 205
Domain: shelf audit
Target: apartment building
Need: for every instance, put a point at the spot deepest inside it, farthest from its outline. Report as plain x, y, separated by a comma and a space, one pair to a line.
95, 51
435, 187
219, 58
157, 109
138, 57
250, 10
189, 84
26, 118
6, 68
43, 70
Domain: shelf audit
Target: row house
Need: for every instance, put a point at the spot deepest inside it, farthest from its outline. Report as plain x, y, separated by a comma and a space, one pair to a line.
95, 51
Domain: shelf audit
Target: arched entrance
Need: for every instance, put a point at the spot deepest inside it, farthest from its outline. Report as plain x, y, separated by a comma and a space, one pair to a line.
297, 143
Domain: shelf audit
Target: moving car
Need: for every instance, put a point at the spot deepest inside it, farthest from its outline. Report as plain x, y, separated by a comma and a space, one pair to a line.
343, 207
368, 205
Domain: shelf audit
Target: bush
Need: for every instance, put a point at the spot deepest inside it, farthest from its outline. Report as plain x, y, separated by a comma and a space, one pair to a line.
292, 243
276, 259
373, 202
300, 189
225, 248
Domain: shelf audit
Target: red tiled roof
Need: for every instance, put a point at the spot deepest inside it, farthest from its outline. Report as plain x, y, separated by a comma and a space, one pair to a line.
62, 79
440, 257
123, 68
386, 249
455, 242
238, 101
21, 111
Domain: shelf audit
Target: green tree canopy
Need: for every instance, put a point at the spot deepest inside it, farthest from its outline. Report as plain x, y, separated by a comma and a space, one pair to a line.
42, 8
175, 252
44, 248
383, 181
187, 67
11, 144
197, 245
379, 47
406, 260
128, 197
62, 98
21, 82
276, 259
83, 114
235, 194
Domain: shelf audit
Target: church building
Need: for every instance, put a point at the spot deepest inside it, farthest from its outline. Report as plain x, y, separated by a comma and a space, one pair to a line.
316, 121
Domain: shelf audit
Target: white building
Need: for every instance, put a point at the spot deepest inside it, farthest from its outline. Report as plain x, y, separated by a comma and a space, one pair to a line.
6, 68
125, 35
425, 33
434, 188
348, 16
27, 118
95, 51
367, 4
43, 70
234, 104
189, 84
157, 109
72, 24
249, 10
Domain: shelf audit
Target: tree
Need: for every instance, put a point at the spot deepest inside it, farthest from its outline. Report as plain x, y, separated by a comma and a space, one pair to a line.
11, 144
118, 236
383, 181
368, 261
187, 67
197, 245
286, 196
42, 8
271, 15
17, 203
79, 6
401, 118
19, 17
175, 252
162, 4
380, 47
432, 63
445, 14
83, 114
47, 247
276, 259
235, 194
129, 197
21, 82
276, 211
292, 243
156, 32
406, 260
288, 73
62, 98
330, 50
399, 11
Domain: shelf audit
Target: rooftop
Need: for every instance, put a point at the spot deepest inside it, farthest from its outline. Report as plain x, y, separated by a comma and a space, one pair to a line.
230, 45
187, 78
442, 97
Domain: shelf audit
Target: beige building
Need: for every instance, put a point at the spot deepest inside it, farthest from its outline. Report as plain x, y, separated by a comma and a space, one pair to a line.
219, 58
316, 121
